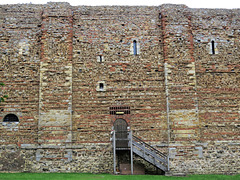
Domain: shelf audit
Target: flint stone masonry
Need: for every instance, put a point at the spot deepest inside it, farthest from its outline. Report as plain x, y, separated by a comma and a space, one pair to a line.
64, 67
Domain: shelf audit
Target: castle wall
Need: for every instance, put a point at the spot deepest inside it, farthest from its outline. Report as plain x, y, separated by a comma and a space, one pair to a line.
170, 71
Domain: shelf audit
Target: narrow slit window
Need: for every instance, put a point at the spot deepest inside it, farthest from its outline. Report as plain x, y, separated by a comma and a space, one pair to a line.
134, 47
100, 58
213, 47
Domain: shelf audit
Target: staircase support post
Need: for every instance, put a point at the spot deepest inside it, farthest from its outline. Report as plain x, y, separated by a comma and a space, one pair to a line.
143, 150
114, 152
130, 133
168, 163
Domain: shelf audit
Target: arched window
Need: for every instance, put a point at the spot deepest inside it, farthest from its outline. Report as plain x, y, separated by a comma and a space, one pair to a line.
10, 118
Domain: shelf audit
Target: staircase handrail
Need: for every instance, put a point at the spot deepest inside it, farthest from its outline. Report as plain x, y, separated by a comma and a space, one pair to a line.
150, 147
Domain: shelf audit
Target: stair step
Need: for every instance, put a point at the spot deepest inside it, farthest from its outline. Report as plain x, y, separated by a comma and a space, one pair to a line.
125, 169
123, 148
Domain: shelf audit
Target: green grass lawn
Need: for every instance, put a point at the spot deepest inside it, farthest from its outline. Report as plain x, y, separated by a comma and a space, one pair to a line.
73, 176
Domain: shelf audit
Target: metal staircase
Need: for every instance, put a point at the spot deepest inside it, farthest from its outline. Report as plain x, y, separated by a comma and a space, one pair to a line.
140, 148
149, 153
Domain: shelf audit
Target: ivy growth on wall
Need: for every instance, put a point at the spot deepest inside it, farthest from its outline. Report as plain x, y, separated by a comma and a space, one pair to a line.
2, 97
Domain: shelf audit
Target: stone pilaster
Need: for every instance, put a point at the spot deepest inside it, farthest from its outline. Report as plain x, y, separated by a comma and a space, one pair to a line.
180, 79
55, 101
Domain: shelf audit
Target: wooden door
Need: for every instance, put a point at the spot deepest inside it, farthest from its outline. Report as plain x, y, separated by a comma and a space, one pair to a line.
120, 127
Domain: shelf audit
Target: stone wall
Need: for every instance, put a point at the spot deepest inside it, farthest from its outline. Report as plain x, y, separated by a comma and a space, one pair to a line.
174, 71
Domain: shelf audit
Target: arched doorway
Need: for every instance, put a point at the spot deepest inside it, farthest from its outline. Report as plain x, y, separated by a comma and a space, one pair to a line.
120, 127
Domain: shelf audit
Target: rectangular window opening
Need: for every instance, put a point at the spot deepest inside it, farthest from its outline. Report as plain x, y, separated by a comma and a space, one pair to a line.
101, 86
